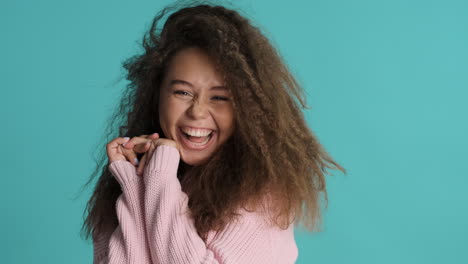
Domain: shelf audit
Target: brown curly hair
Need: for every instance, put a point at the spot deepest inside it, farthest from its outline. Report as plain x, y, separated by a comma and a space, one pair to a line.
272, 153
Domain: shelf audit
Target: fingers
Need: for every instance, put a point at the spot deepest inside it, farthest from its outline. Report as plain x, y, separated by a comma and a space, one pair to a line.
142, 147
131, 147
139, 140
145, 158
113, 148
153, 136
165, 141
141, 166
116, 142
130, 155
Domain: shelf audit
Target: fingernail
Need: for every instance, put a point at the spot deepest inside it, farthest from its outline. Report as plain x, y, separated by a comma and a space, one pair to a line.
126, 138
136, 161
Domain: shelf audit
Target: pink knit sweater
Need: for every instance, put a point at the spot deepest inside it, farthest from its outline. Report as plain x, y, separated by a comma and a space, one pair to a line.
155, 228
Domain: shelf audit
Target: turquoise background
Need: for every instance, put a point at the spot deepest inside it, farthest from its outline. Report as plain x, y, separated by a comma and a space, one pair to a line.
387, 82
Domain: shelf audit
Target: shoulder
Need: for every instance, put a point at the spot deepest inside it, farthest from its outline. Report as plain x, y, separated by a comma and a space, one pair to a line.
260, 217
269, 206
257, 239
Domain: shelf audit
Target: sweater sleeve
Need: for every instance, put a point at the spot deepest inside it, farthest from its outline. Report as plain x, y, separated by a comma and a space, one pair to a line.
127, 243
172, 236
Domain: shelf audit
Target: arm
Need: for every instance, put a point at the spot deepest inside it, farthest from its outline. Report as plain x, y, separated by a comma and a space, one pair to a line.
127, 243
172, 235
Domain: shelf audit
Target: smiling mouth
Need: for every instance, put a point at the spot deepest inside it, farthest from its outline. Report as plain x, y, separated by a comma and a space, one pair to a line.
197, 141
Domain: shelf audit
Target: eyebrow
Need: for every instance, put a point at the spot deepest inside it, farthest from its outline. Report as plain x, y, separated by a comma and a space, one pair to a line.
174, 82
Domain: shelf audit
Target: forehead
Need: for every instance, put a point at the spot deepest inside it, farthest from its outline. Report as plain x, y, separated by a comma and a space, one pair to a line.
195, 67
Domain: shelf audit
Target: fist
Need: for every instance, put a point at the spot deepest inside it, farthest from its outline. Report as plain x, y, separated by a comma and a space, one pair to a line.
124, 148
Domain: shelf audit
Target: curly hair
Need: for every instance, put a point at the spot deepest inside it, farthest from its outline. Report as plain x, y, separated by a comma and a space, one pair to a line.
273, 153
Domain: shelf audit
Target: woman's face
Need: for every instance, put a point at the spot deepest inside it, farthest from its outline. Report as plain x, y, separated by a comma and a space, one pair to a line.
195, 108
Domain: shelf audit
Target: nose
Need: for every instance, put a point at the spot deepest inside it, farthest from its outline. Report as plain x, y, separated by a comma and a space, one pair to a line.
198, 109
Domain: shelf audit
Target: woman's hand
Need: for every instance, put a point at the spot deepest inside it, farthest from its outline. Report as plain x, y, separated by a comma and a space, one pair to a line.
116, 149
147, 146
152, 147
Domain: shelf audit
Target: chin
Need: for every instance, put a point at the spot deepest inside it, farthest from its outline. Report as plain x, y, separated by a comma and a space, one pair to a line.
193, 161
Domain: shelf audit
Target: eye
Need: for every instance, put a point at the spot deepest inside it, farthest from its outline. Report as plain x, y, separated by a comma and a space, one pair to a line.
181, 92
221, 98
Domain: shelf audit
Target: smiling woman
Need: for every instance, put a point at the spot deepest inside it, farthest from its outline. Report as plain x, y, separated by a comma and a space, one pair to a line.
213, 162
194, 106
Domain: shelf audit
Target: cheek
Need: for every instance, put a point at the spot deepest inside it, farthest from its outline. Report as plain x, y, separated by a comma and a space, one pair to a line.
226, 122
171, 111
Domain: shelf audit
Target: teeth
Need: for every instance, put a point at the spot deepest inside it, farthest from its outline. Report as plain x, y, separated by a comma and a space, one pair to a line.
201, 143
197, 132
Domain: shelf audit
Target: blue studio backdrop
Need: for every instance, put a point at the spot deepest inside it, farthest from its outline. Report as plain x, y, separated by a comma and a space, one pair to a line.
387, 83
